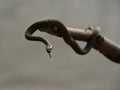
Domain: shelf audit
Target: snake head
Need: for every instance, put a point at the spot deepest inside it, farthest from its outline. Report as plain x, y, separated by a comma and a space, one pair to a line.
48, 49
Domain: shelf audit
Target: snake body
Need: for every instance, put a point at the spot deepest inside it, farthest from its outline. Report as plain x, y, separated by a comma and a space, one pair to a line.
56, 27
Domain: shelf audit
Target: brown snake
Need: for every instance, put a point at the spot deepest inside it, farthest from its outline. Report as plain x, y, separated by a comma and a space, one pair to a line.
58, 29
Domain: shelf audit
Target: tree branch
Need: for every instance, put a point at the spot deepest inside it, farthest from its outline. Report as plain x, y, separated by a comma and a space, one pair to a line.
104, 45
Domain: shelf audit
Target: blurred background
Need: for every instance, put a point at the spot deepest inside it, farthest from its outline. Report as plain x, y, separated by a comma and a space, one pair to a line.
25, 65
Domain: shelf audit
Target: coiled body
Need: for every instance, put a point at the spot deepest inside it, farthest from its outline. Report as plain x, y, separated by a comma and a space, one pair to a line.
56, 27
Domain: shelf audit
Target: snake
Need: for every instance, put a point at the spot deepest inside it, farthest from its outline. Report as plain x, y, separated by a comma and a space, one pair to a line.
59, 29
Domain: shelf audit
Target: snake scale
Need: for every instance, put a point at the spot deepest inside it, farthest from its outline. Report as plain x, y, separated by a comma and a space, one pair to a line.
56, 27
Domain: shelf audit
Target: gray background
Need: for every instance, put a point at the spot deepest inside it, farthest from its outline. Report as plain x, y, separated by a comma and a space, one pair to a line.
25, 65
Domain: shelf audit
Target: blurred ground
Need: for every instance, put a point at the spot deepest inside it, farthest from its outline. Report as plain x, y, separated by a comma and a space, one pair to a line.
25, 65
